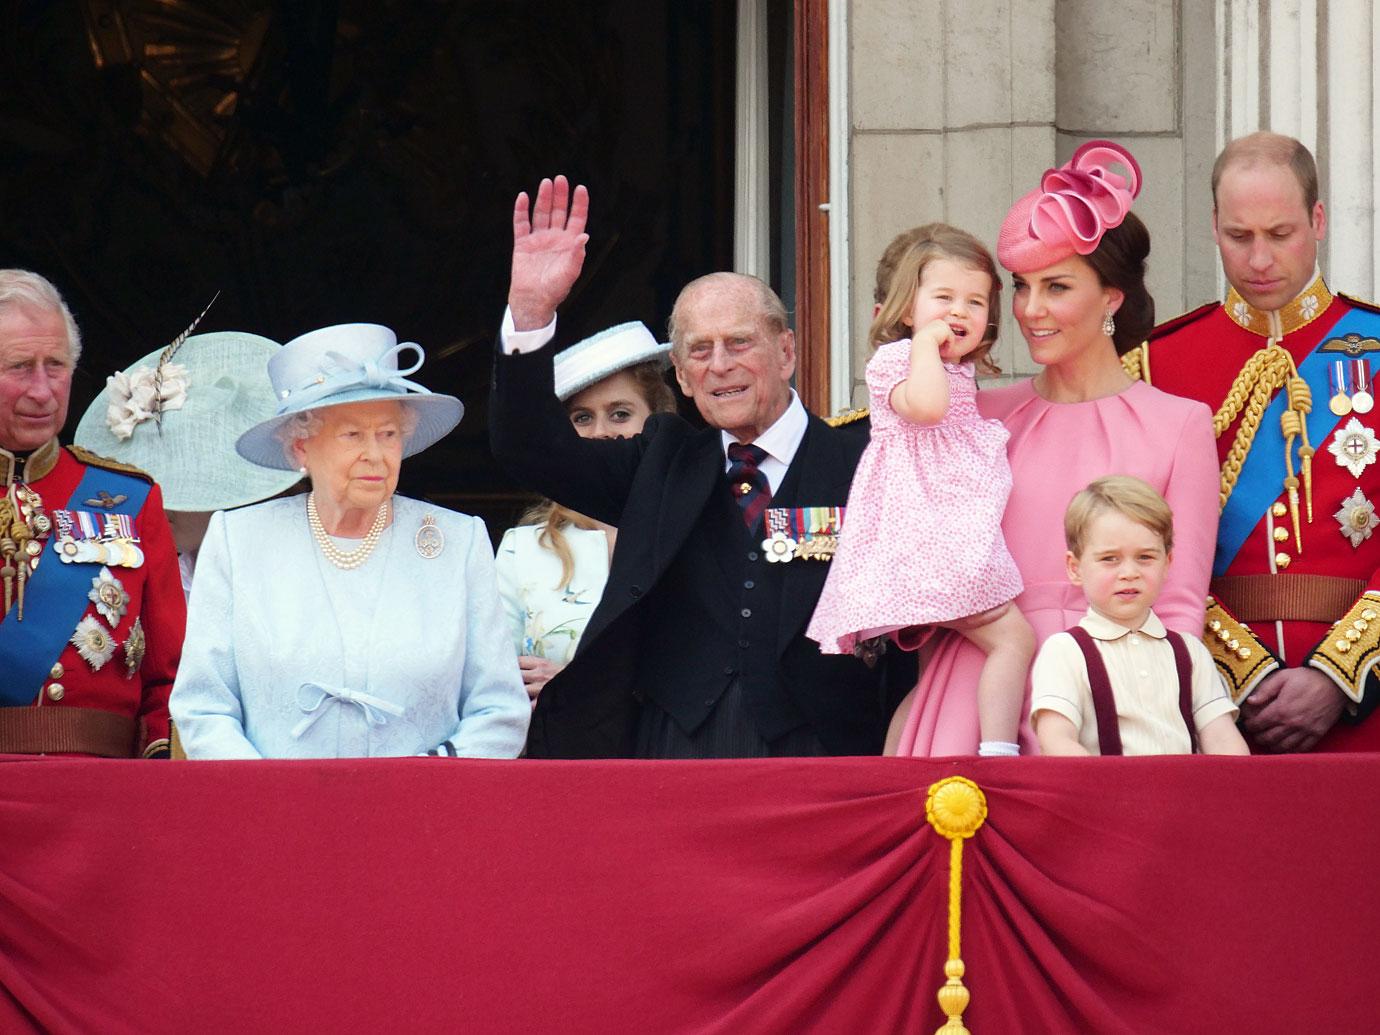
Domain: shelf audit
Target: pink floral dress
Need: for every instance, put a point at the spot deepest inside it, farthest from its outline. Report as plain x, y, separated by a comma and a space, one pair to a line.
921, 539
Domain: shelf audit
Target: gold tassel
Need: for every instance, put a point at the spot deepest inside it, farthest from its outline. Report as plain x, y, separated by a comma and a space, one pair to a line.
956, 808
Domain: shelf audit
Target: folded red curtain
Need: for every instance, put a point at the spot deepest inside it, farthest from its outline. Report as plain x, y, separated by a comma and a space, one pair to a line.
1103, 895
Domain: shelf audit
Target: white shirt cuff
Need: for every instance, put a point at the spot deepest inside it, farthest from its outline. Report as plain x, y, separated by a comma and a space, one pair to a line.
515, 341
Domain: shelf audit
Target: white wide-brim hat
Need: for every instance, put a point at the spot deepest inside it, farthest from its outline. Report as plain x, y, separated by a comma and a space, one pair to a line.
347, 363
213, 387
604, 354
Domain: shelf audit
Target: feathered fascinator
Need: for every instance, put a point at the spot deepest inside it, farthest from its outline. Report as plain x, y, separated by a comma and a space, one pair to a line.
1071, 209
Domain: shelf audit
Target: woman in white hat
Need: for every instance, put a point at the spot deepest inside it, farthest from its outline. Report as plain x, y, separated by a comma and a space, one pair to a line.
552, 567
349, 621
176, 414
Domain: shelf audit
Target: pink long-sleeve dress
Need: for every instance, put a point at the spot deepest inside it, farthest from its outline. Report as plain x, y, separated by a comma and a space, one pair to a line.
1055, 450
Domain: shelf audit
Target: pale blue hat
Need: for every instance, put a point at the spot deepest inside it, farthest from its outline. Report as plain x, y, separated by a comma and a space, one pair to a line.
605, 354
213, 387
347, 363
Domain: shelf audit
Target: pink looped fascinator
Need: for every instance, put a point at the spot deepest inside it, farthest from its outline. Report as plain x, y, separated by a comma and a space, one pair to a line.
1071, 209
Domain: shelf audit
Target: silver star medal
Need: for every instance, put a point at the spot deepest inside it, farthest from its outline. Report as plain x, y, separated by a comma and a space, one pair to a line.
109, 596
1355, 447
430, 539
93, 643
1356, 518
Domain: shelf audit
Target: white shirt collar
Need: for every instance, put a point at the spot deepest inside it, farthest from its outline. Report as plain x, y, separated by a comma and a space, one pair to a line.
1101, 627
782, 439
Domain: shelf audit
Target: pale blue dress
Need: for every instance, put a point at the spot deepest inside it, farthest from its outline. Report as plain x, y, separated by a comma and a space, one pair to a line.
288, 656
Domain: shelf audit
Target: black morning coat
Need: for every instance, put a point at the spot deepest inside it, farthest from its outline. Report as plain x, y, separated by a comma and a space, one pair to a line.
660, 489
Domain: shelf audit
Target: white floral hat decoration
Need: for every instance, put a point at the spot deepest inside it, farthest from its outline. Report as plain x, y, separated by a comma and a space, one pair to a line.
347, 363
177, 412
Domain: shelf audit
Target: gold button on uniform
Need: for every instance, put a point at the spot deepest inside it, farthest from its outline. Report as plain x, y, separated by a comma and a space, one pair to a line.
1282, 559
1368, 615
56, 691
1281, 533
1244, 653
1279, 509
57, 671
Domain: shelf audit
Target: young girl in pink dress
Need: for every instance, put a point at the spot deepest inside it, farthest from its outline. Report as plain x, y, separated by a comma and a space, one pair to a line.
921, 544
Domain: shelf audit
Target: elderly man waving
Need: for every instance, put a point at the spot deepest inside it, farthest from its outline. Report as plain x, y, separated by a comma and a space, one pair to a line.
697, 649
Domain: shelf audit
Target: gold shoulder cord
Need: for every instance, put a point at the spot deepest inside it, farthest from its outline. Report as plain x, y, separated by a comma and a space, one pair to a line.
1264, 373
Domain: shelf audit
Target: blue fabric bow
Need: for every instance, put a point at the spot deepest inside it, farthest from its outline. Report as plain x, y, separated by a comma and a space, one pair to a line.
375, 709
345, 372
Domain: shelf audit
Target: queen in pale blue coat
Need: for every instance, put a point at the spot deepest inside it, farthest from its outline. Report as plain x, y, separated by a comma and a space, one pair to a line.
348, 622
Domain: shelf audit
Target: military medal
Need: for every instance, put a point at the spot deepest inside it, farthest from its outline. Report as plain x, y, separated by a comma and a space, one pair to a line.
429, 538
93, 643
1356, 518
135, 645
109, 596
1355, 447
1363, 391
779, 547
804, 533
1339, 399
85, 538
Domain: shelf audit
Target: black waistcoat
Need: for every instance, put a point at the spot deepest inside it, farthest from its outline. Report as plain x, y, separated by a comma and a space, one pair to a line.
719, 604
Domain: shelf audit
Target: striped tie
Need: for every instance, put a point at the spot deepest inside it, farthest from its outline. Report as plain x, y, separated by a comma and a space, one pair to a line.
747, 482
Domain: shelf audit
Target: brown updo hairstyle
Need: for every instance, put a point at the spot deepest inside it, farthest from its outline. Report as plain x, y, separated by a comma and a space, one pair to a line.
935, 241
1119, 262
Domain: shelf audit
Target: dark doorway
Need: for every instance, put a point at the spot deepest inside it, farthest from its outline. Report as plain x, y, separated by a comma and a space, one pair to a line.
320, 162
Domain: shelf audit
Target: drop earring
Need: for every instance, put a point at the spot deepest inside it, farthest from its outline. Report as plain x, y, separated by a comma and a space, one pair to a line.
1108, 324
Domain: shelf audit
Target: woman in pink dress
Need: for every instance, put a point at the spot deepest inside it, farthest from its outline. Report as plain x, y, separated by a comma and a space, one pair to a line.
1078, 258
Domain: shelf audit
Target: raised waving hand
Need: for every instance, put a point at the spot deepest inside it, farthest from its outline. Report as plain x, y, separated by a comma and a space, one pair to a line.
548, 251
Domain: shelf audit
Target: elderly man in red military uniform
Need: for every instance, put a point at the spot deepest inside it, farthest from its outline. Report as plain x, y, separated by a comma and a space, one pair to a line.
1288, 367
91, 607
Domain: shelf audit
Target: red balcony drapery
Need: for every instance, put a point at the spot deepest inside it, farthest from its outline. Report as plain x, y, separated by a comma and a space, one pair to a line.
1102, 895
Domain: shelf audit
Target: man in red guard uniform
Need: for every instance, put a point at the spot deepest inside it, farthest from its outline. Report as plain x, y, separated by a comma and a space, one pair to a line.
1294, 615
91, 606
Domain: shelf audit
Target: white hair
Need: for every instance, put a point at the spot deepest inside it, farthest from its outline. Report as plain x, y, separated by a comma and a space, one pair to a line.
27, 290
301, 426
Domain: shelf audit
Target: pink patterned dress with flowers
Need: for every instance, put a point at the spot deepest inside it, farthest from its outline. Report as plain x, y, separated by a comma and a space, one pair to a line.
921, 539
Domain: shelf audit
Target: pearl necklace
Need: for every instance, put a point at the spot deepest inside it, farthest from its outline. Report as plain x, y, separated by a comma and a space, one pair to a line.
343, 559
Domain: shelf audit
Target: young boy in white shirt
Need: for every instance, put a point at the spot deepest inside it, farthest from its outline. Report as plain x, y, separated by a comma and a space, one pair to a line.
1119, 682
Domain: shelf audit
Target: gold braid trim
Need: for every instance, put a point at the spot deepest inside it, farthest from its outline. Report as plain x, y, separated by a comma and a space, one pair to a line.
96, 460
846, 417
1241, 658
1352, 647
1136, 363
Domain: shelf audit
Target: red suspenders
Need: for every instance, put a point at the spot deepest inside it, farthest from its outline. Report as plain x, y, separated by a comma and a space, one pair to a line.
1104, 704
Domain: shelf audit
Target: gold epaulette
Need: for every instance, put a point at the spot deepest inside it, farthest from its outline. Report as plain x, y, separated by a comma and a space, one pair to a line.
96, 460
1136, 363
1352, 647
838, 420
1241, 658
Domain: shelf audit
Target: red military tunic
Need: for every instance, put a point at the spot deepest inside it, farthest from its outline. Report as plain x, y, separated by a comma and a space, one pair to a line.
135, 680
1277, 598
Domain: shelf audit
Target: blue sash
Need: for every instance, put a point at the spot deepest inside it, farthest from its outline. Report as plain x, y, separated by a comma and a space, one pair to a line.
55, 599
1261, 476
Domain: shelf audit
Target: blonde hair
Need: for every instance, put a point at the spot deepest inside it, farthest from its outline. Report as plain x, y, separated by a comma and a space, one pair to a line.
553, 517
938, 241
1129, 497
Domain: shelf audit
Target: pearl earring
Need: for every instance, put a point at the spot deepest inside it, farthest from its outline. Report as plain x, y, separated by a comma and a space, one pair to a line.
1108, 324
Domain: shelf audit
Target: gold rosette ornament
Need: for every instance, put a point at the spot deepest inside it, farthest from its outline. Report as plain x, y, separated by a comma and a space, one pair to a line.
956, 808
